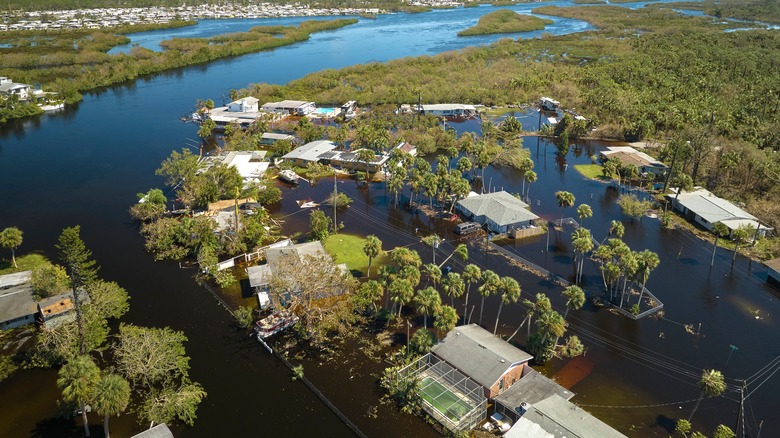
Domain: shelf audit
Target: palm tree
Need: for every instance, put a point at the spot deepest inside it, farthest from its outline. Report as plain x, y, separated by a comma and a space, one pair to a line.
582, 241
427, 300
401, 292
11, 238
719, 230
446, 318
575, 299
603, 254
617, 229
541, 305
629, 265
510, 293
434, 273
648, 260
366, 155
369, 293
111, 397
77, 379
471, 275
711, 384
550, 325
529, 176
565, 199
490, 284
371, 249
584, 211
740, 236
453, 286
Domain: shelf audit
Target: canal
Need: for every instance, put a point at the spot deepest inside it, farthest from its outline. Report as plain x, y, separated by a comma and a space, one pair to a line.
84, 166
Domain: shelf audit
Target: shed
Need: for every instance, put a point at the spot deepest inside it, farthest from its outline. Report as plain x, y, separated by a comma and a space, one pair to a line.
499, 210
483, 357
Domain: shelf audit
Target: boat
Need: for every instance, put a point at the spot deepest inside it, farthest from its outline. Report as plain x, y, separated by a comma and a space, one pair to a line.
289, 176
275, 323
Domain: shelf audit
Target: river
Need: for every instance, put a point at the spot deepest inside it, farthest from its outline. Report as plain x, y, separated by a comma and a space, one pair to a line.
85, 165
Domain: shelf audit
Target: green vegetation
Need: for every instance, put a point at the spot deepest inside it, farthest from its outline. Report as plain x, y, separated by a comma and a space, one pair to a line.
345, 249
505, 21
27, 262
73, 61
592, 171
766, 11
589, 2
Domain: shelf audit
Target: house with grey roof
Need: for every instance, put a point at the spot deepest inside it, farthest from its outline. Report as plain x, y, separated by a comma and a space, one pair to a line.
309, 153
499, 210
532, 388
556, 417
774, 271
269, 138
706, 209
291, 107
449, 110
159, 431
483, 357
17, 304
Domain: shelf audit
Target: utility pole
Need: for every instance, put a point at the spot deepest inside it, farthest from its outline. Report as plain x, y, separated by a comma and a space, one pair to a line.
236, 214
335, 193
741, 411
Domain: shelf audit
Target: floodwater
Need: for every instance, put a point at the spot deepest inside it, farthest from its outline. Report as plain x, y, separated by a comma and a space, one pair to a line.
85, 165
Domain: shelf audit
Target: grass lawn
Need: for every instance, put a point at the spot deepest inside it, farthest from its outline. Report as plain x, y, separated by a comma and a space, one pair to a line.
443, 400
26, 262
348, 248
592, 171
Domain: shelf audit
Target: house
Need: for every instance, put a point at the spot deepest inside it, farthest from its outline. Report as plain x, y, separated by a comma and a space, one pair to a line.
309, 153
291, 107
450, 110
159, 431
630, 156
499, 210
17, 304
251, 165
245, 105
408, 148
532, 388
488, 360
269, 138
259, 276
11, 88
555, 417
706, 209
59, 309
774, 271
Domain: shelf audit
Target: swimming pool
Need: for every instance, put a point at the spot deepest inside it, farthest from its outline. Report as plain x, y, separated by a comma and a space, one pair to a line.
324, 111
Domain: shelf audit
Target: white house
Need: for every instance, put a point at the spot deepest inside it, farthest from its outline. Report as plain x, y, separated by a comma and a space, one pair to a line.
450, 110
500, 211
706, 209
245, 105
309, 153
11, 88
292, 107
251, 165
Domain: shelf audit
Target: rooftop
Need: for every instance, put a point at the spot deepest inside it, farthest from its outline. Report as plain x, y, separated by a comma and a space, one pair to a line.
773, 264
714, 209
500, 207
532, 388
479, 354
288, 104
448, 107
16, 298
159, 431
556, 417
310, 151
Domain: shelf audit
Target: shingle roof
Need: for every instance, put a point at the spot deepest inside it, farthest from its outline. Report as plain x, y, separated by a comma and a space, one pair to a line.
159, 431
532, 388
558, 418
479, 354
500, 207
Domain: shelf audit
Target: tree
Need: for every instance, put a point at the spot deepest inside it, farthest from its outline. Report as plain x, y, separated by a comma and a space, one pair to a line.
401, 292
530, 177
368, 294
564, 199
178, 167
683, 427
633, 207
446, 318
111, 397
584, 211
319, 225
582, 241
151, 205
510, 293
648, 261
108, 299
550, 327
173, 402
453, 286
723, 431
81, 270
151, 357
434, 273
711, 384
421, 343
741, 236
427, 300
366, 156
490, 284
616, 229
371, 249
471, 274
77, 379
575, 298
719, 229
207, 128
11, 238
49, 279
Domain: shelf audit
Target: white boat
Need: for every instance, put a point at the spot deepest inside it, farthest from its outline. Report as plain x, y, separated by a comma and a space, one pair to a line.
275, 323
289, 176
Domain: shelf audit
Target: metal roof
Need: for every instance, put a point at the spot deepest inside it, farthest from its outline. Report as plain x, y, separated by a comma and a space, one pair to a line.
310, 151
16, 296
532, 388
555, 417
500, 207
714, 209
447, 107
159, 431
628, 155
479, 354
277, 136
